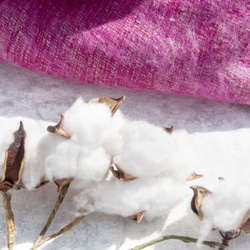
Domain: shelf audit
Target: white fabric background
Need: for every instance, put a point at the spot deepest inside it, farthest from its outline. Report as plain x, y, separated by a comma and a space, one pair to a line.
35, 96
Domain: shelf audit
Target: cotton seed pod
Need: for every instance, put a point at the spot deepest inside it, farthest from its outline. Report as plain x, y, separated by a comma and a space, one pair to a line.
199, 194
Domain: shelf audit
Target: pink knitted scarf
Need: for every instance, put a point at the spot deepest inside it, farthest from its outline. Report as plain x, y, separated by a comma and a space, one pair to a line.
196, 48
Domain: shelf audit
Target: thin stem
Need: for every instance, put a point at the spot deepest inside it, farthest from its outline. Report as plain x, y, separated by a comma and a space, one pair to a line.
59, 201
185, 239
62, 231
230, 235
11, 229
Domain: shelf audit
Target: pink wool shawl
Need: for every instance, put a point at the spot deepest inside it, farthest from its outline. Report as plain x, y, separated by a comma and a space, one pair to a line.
195, 48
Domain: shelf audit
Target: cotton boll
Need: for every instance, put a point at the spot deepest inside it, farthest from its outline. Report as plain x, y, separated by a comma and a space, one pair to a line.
62, 161
154, 195
87, 122
227, 205
144, 150
93, 166
35, 131
147, 150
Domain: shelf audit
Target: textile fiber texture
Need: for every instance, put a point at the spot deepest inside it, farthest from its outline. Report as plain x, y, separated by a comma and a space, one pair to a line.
196, 48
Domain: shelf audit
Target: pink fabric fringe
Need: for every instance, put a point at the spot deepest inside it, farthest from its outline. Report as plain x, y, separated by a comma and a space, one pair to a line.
196, 48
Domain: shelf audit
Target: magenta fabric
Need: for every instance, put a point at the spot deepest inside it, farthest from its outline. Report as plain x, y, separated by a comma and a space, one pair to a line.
197, 48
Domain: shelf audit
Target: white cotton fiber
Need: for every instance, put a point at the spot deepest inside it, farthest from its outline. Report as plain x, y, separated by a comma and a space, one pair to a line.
145, 149
87, 122
35, 152
92, 166
226, 207
113, 143
62, 161
154, 195
85, 194
148, 150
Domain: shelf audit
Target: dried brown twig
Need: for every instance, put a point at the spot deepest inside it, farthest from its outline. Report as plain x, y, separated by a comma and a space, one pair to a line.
62, 193
11, 229
62, 231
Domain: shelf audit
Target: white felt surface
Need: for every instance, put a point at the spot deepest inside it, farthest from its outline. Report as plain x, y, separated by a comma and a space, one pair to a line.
40, 97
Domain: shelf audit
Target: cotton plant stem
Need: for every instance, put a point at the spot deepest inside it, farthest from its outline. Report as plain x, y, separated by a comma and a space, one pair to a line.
62, 231
227, 237
185, 239
11, 229
224, 244
59, 201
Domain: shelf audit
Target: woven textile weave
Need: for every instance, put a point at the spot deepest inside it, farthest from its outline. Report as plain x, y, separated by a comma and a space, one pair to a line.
196, 48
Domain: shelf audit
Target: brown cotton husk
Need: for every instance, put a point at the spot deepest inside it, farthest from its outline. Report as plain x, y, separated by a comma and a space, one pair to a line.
169, 130
199, 194
62, 182
194, 176
120, 174
113, 104
221, 178
137, 217
58, 128
245, 224
43, 182
12, 174
14, 160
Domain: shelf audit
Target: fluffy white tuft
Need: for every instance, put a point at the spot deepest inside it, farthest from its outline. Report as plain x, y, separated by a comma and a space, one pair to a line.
88, 122
63, 162
157, 196
148, 150
93, 166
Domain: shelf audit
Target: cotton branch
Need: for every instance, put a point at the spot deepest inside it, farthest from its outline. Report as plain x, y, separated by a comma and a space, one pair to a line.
61, 196
11, 229
62, 231
185, 239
